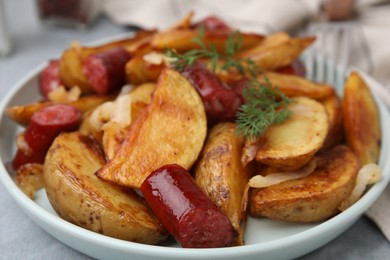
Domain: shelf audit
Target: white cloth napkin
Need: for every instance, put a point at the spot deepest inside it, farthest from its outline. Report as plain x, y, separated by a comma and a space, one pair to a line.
265, 16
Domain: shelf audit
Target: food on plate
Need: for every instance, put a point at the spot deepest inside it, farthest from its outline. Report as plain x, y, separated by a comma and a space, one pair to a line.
45, 125
72, 59
185, 210
221, 102
277, 51
22, 114
292, 144
211, 124
109, 122
181, 40
293, 86
221, 175
140, 69
29, 178
312, 198
105, 71
49, 78
171, 129
79, 197
333, 106
361, 119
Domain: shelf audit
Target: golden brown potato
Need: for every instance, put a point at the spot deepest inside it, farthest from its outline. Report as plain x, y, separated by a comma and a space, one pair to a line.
333, 106
181, 40
29, 178
277, 53
313, 198
117, 127
22, 114
171, 129
221, 175
361, 119
140, 71
295, 86
71, 60
109, 123
294, 142
79, 197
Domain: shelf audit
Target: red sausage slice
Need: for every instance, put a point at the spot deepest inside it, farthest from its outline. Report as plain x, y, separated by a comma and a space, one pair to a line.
105, 71
220, 100
184, 210
44, 126
49, 78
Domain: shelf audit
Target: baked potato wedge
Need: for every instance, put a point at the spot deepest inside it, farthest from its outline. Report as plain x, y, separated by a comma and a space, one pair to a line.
109, 123
171, 129
139, 71
221, 175
79, 197
313, 198
22, 114
295, 86
361, 119
279, 51
181, 40
333, 106
291, 144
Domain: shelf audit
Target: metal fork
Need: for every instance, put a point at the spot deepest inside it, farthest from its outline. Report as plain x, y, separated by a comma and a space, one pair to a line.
327, 59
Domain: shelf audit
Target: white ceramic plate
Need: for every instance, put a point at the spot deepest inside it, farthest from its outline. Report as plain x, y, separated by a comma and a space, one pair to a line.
266, 239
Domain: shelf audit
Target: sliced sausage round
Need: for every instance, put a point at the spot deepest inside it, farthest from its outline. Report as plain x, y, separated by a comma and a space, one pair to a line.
105, 71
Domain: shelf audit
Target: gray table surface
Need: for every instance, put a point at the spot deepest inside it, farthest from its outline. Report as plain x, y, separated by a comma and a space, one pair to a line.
20, 238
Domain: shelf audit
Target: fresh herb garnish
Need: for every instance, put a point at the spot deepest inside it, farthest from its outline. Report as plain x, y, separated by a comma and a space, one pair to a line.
265, 104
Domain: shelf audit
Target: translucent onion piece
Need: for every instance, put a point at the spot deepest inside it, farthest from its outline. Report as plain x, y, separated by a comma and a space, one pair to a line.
260, 181
367, 175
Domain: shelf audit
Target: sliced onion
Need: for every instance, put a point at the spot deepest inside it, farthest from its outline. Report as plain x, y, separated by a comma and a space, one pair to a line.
367, 175
260, 181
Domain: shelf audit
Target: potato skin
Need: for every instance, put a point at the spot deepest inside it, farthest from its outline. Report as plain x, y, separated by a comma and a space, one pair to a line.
293, 143
361, 119
221, 175
171, 129
313, 198
79, 197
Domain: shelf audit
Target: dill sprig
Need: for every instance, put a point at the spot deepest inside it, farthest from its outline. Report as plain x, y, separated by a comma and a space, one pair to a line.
210, 52
265, 104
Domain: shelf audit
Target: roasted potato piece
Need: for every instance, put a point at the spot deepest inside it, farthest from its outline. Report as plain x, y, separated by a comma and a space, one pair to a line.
140, 71
71, 61
171, 129
294, 142
221, 175
313, 198
181, 40
295, 86
79, 197
110, 122
333, 106
22, 114
278, 54
29, 178
115, 130
361, 119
